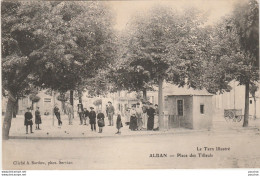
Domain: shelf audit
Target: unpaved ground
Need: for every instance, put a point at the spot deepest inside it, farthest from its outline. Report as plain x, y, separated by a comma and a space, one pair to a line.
133, 152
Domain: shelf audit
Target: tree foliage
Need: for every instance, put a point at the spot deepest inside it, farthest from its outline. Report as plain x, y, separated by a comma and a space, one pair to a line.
161, 43
55, 45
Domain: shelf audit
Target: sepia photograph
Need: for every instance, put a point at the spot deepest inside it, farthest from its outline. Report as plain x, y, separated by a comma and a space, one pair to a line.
130, 85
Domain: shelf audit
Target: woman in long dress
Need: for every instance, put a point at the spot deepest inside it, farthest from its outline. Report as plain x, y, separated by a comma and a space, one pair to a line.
133, 118
127, 116
119, 123
139, 112
101, 121
38, 119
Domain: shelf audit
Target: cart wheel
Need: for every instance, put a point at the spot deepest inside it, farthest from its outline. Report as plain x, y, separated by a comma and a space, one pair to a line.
239, 118
231, 115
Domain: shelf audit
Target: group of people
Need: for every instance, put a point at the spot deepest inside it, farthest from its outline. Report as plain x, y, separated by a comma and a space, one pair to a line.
28, 119
91, 117
140, 118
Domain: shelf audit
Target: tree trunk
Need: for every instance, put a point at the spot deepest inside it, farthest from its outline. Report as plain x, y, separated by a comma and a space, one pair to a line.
80, 96
32, 105
8, 117
246, 113
160, 104
145, 95
71, 97
63, 107
15, 110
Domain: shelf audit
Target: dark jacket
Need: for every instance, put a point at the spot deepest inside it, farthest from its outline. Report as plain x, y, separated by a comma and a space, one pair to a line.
56, 110
100, 118
150, 112
86, 113
92, 117
28, 118
119, 122
144, 108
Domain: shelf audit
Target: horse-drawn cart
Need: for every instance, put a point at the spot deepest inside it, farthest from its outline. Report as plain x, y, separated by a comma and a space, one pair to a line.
233, 114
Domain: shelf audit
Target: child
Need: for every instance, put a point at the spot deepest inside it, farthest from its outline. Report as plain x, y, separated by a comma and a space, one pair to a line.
118, 123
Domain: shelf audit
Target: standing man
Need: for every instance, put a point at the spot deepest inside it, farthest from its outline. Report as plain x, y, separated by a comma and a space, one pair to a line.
38, 119
139, 112
70, 112
144, 115
80, 113
86, 115
57, 114
28, 120
150, 114
110, 112
92, 118
156, 118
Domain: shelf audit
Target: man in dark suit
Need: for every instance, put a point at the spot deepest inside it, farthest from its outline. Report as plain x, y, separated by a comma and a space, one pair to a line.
57, 114
81, 113
28, 120
150, 114
92, 119
86, 116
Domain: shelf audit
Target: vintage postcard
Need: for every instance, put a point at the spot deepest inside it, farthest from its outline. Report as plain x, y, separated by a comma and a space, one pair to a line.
130, 85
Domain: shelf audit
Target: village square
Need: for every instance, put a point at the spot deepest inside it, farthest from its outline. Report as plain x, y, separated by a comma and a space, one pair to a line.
86, 85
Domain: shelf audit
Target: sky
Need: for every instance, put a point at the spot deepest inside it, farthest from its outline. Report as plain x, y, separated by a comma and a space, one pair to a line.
215, 8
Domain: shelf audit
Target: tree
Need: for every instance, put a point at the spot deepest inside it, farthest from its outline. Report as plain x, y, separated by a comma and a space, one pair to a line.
239, 34
53, 45
160, 46
84, 41
19, 41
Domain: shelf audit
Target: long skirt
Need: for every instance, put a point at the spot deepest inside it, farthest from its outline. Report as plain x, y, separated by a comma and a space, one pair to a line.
150, 123
144, 120
156, 121
139, 123
38, 120
133, 123
101, 123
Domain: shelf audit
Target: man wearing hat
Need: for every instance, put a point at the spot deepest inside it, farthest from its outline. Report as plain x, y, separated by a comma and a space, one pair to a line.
156, 118
92, 119
28, 120
144, 115
150, 114
139, 116
70, 111
86, 116
110, 112
81, 113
